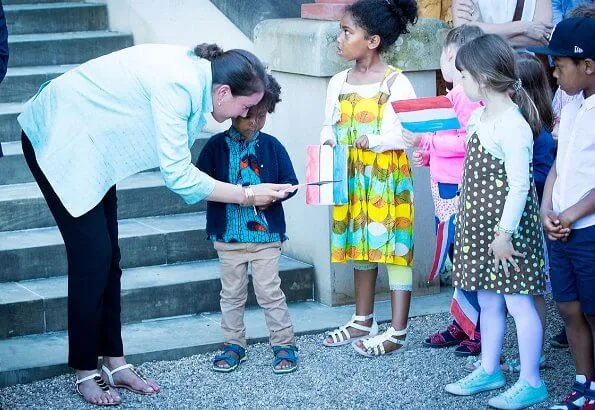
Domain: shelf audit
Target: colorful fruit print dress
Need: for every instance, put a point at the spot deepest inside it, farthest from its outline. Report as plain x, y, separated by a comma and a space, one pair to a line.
377, 223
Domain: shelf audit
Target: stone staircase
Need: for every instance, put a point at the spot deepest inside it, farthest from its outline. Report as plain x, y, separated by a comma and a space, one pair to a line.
170, 280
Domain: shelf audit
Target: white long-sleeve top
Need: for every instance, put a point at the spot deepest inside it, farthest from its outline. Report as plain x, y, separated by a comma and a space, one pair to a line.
135, 109
390, 136
509, 138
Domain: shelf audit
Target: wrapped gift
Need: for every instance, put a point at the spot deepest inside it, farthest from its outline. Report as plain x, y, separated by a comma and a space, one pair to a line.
428, 114
326, 174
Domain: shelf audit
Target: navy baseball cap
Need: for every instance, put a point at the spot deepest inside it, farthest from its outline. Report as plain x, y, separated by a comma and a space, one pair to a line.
573, 37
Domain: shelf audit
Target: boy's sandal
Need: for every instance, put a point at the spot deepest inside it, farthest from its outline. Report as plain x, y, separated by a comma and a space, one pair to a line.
452, 336
287, 353
233, 355
96, 377
110, 378
374, 346
341, 336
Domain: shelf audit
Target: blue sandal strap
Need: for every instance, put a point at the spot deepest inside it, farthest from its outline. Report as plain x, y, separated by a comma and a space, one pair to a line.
237, 349
285, 353
228, 358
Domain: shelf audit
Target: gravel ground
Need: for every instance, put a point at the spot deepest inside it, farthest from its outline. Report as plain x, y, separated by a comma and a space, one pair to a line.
329, 378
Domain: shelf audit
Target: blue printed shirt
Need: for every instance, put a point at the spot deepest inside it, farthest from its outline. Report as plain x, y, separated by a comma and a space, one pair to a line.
244, 224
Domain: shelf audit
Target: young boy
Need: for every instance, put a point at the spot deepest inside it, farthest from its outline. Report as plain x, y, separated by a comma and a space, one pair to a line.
241, 235
568, 207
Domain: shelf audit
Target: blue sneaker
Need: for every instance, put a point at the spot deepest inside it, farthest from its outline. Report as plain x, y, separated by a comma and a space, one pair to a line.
519, 396
477, 381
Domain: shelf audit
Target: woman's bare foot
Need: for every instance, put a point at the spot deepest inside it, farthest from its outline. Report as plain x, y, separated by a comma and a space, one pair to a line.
129, 379
93, 393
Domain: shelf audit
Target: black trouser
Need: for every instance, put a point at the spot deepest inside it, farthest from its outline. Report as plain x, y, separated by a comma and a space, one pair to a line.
94, 273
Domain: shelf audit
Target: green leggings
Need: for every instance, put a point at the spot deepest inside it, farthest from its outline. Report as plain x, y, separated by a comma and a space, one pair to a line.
399, 277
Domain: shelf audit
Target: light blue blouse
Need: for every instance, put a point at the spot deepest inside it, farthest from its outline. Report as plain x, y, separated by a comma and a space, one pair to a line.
122, 113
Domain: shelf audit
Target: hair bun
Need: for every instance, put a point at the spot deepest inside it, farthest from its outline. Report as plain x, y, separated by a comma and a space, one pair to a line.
208, 51
405, 12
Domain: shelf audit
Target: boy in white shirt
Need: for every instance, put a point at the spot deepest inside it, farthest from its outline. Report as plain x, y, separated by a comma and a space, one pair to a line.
568, 206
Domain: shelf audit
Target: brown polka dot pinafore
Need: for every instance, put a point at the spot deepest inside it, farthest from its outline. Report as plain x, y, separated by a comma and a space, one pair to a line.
483, 192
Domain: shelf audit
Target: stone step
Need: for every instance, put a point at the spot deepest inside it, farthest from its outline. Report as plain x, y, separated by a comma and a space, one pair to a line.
40, 253
39, 306
9, 127
7, 2
14, 169
64, 48
21, 360
55, 17
21, 83
22, 205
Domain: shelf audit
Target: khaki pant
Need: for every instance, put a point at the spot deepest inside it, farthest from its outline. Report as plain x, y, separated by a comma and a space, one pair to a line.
264, 260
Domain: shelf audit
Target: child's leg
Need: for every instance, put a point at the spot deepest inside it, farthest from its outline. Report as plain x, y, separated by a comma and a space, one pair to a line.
234, 290
541, 311
573, 288
493, 326
580, 337
267, 287
364, 277
400, 279
529, 335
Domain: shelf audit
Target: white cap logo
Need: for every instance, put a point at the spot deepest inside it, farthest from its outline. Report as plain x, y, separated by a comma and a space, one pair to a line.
577, 50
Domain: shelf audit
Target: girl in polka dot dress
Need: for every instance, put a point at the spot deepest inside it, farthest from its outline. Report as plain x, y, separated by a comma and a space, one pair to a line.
498, 241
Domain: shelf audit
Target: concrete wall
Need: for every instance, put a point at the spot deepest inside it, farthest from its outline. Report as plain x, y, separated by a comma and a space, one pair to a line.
175, 21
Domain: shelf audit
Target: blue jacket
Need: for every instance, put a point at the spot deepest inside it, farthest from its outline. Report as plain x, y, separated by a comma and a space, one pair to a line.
275, 168
543, 158
3, 44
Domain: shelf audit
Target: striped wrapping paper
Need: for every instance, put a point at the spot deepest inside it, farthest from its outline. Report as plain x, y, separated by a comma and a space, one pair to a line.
326, 163
427, 114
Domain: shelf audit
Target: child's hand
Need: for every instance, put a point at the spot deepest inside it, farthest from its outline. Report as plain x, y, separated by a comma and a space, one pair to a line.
566, 219
329, 142
552, 226
411, 139
362, 142
503, 251
420, 158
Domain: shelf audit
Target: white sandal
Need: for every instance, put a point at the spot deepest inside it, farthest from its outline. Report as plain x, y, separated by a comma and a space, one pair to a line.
96, 377
374, 346
341, 336
110, 378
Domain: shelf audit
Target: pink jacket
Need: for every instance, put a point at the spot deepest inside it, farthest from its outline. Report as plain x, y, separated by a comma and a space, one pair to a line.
444, 151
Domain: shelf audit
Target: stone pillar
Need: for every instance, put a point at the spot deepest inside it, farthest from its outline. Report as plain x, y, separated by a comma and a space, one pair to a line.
325, 9
302, 56
334, 9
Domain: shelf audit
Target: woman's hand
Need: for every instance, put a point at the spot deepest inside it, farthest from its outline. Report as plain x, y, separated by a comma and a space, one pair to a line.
538, 31
466, 11
412, 139
266, 194
362, 142
503, 251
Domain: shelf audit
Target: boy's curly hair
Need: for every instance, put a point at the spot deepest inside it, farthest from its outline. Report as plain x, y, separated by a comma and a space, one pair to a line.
272, 95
